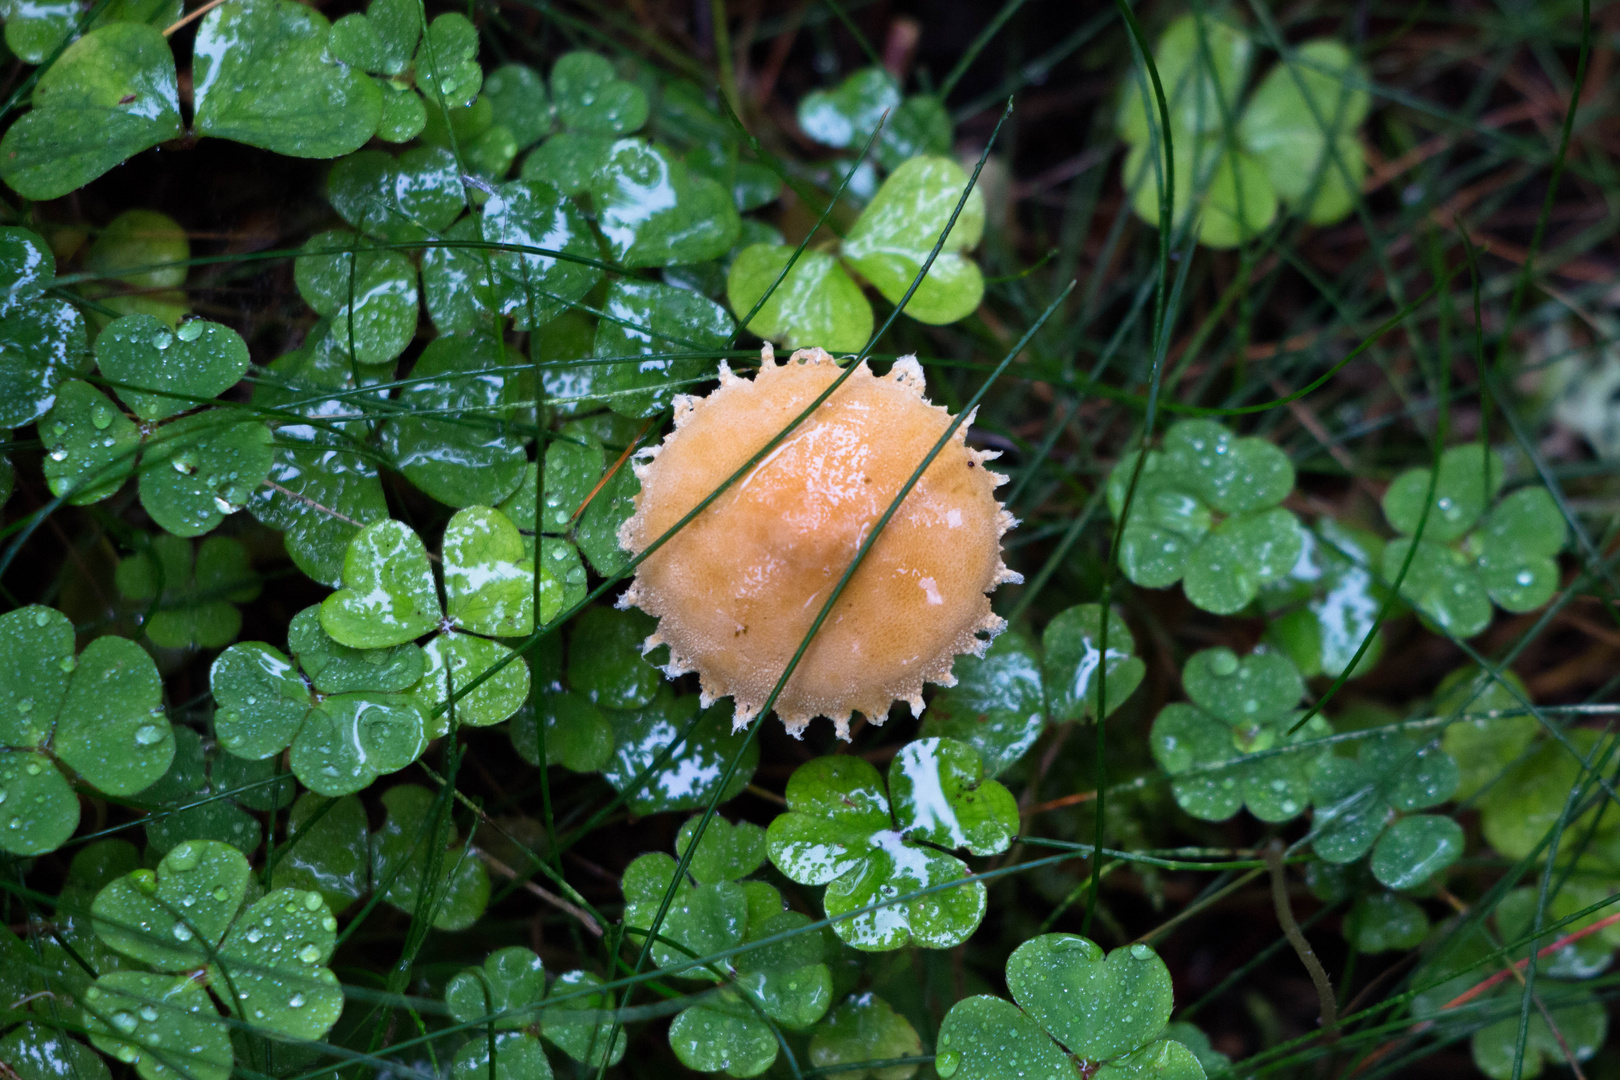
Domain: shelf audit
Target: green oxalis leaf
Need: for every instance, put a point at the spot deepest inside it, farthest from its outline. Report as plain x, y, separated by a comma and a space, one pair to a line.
786, 983
846, 116
843, 830
1581, 1020
1072, 999
1327, 603
99, 714
346, 713
1357, 799
507, 993
34, 31
193, 470
332, 850
264, 77
1205, 512
1293, 141
1483, 748
190, 593
264, 962
397, 200
1526, 801
998, 705
1074, 666
327, 486
1241, 711
42, 339
206, 795
529, 218
388, 598
123, 255
402, 852
110, 95
863, 1027
1466, 558
1385, 921
369, 296
819, 304
591, 98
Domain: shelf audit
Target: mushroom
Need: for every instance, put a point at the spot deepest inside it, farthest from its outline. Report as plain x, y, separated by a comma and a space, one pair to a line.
737, 589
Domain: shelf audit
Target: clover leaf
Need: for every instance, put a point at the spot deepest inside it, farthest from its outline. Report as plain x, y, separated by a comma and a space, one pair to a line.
42, 339
397, 200
369, 295
868, 846
34, 31
507, 993
846, 116
343, 711
36, 1052
1241, 709
1300, 125
1519, 810
1072, 999
591, 97
324, 487
329, 850
1483, 748
1384, 921
1466, 558
193, 470
654, 211
1074, 658
1358, 800
997, 706
653, 779
1327, 603
204, 793
1205, 510
110, 95
451, 437
263, 960
192, 592
518, 100
785, 983
862, 1028
131, 243
528, 217
388, 598
644, 329
402, 855
100, 715
818, 303
264, 77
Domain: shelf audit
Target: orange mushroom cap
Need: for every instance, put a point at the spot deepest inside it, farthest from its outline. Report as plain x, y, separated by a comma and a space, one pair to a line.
737, 589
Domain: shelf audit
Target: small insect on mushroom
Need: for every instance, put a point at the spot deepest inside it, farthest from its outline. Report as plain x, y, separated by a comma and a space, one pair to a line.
737, 589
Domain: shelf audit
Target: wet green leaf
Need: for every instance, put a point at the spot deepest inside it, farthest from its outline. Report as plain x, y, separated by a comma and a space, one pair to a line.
1441, 582
644, 329
331, 853
1098, 1007
549, 251
846, 116
894, 235
518, 1056
1328, 601
839, 831
1384, 922
164, 1025
1415, 849
388, 596
35, 1052
569, 161
585, 1038
1300, 124
1582, 1026
195, 590
504, 991
1202, 63
110, 95
520, 104
457, 281
1483, 748
488, 577
447, 68
997, 705
398, 200
726, 852
454, 660
986, 1038
370, 296
263, 77
590, 97
598, 532
688, 778
1162, 1060
173, 918
93, 445
161, 371
722, 1034
197, 469
578, 735
1470, 477
1073, 659
404, 846
816, 304
606, 661
865, 1028
42, 340
654, 211
702, 919
1229, 189
131, 243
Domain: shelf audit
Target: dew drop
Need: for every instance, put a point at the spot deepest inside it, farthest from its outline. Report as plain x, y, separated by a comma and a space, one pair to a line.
59, 454
41, 618
183, 858
1223, 664
26, 705
947, 1063
220, 894
147, 734
312, 900
182, 932
67, 663
191, 331
162, 341
125, 1022
1141, 951
148, 1013
255, 935
309, 953
296, 1001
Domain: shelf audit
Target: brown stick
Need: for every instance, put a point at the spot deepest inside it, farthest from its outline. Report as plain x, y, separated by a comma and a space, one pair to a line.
1273, 855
